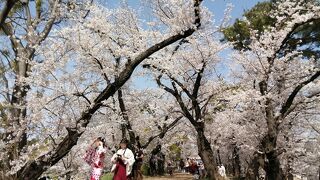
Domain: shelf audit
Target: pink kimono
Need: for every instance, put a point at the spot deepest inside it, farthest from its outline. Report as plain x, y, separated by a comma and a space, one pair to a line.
95, 157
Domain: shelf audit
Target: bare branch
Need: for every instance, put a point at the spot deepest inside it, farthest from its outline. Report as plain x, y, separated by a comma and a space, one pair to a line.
5, 11
163, 132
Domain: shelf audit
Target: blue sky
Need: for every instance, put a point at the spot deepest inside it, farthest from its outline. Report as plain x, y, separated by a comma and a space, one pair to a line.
216, 6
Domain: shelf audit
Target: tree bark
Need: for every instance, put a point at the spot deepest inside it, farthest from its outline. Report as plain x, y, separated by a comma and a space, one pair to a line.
253, 169
273, 169
206, 154
236, 162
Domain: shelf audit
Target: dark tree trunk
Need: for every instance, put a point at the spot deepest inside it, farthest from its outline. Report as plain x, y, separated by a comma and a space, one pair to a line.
219, 158
206, 154
273, 169
236, 162
253, 169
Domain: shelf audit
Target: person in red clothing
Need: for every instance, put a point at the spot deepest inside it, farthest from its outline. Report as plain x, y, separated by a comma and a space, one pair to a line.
194, 169
95, 158
123, 161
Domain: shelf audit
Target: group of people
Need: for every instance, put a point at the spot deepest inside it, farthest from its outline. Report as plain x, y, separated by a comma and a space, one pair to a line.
157, 162
123, 160
193, 167
197, 169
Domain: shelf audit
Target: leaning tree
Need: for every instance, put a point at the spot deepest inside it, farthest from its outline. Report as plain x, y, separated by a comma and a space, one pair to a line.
52, 88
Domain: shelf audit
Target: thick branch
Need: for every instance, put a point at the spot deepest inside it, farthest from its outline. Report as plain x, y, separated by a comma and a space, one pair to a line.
285, 107
171, 77
5, 11
54, 13
195, 92
35, 168
164, 130
126, 117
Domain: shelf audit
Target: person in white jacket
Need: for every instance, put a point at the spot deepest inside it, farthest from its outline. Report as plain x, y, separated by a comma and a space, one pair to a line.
222, 171
123, 160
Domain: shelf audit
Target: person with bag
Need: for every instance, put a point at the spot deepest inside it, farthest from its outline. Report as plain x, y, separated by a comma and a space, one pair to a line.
95, 158
123, 160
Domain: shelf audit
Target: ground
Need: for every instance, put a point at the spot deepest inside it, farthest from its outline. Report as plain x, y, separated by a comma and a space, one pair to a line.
178, 176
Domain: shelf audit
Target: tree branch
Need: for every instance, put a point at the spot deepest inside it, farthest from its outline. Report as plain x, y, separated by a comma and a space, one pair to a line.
5, 11
164, 130
290, 99
34, 168
43, 35
125, 116
170, 76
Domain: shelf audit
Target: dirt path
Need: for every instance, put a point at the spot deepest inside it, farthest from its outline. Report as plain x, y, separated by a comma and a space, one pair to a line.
178, 176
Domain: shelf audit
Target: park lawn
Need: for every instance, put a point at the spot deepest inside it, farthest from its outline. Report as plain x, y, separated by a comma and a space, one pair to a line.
107, 176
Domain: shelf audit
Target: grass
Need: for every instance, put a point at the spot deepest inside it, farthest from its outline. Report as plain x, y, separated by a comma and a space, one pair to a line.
107, 176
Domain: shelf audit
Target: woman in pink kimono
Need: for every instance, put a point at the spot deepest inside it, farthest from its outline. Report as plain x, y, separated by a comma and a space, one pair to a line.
95, 158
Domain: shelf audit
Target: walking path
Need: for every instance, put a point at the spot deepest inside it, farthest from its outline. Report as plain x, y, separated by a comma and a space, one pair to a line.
178, 176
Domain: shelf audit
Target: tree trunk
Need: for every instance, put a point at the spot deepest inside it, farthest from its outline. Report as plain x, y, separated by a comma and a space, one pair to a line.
219, 158
236, 162
319, 172
17, 114
273, 169
206, 154
253, 169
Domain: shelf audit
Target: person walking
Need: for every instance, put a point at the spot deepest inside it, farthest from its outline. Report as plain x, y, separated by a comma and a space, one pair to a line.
95, 157
202, 170
194, 169
123, 160
137, 174
181, 165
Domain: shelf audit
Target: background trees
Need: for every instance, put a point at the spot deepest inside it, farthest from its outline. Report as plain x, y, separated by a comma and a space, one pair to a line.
46, 84
187, 77
66, 69
279, 77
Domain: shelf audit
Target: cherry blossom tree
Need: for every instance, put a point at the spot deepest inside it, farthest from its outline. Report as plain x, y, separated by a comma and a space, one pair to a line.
22, 33
58, 83
188, 75
148, 116
278, 80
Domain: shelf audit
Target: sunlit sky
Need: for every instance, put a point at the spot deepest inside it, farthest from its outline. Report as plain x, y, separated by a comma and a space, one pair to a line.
216, 6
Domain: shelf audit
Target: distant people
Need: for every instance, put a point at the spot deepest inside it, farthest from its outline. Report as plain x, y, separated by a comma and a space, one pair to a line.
161, 163
154, 161
95, 157
222, 170
202, 170
153, 164
194, 169
170, 168
123, 160
137, 174
187, 165
181, 165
